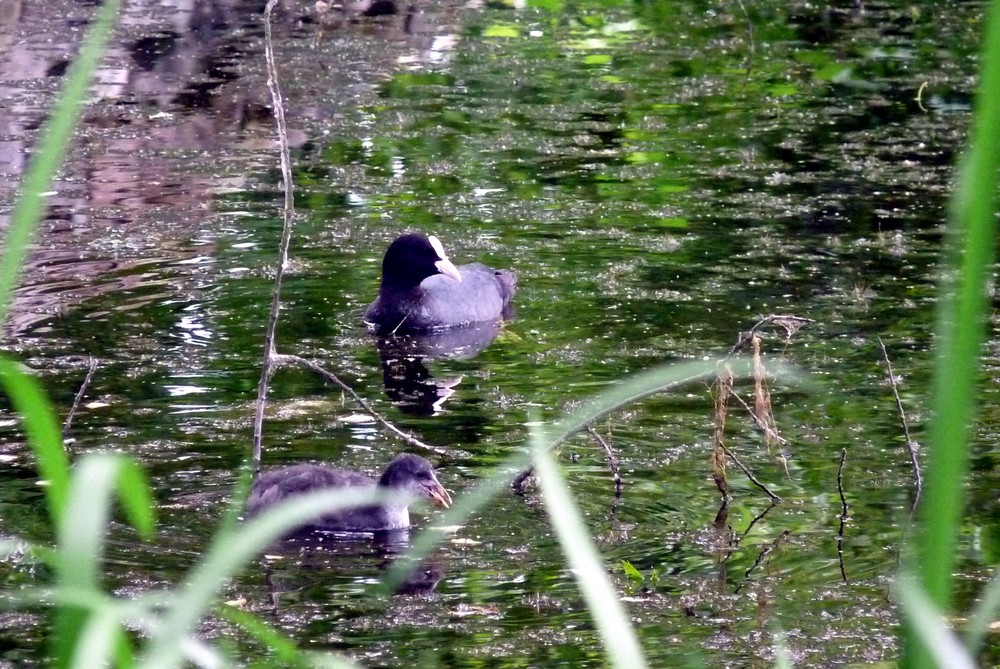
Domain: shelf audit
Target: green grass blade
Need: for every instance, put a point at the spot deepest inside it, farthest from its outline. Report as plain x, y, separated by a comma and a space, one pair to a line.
229, 552
136, 497
80, 535
98, 640
278, 644
932, 632
53, 141
961, 329
617, 395
620, 640
282, 647
983, 615
42, 428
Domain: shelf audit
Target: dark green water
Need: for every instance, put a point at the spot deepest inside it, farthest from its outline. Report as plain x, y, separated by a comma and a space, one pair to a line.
660, 175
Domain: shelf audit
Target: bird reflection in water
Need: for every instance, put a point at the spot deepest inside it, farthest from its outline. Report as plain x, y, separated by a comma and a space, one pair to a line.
408, 381
293, 567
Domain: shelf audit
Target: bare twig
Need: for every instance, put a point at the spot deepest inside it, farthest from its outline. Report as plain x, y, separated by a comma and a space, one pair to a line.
764, 552
749, 475
281, 359
278, 109
761, 425
519, 481
612, 459
843, 514
791, 324
92, 367
911, 446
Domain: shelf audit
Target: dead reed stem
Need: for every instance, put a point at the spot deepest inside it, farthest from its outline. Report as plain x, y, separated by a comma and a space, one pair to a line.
723, 389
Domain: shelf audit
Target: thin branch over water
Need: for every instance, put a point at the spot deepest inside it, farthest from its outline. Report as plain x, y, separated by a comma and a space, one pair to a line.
911, 446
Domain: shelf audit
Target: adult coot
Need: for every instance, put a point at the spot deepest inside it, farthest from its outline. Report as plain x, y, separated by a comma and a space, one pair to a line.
422, 290
406, 478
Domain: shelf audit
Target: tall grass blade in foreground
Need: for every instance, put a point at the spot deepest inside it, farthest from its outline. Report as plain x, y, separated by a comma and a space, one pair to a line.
960, 328
43, 433
620, 640
230, 550
42, 429
662, 378
942, 645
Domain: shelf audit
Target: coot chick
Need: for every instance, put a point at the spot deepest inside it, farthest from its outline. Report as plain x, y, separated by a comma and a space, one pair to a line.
406, 478
422, 290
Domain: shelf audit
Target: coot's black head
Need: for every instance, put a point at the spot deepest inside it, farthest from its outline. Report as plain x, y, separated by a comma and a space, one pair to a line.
415, 475
413, 257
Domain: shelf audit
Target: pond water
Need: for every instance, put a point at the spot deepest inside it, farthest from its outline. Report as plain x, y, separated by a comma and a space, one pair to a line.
659, 174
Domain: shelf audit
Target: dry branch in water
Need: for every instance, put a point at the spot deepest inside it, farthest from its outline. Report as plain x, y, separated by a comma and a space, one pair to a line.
268, 364
612, 459
723, 388
280, 359
91, 368
791, 325
911, 446
843, 514
749, 475
272, 359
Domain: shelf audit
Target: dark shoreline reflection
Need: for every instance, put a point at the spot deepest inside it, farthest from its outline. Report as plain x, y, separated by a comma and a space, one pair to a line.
409, 383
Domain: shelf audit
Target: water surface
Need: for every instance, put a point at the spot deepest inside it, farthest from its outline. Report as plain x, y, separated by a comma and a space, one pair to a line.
661, 175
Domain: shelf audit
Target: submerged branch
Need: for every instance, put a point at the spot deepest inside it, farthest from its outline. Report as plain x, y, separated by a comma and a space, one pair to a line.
749, 475
278, 109
281, 359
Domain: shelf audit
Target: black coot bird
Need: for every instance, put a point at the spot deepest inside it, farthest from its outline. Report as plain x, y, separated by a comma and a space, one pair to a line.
423, 291
406, 478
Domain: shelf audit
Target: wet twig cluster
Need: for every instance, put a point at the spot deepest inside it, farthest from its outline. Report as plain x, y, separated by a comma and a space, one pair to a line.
761, 412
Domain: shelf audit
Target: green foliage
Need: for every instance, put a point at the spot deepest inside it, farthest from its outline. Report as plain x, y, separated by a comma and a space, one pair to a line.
43, 432
970, 255
631, 572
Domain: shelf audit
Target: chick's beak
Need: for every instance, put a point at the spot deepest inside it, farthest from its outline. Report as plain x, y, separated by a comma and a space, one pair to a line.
437, 493
448, 268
